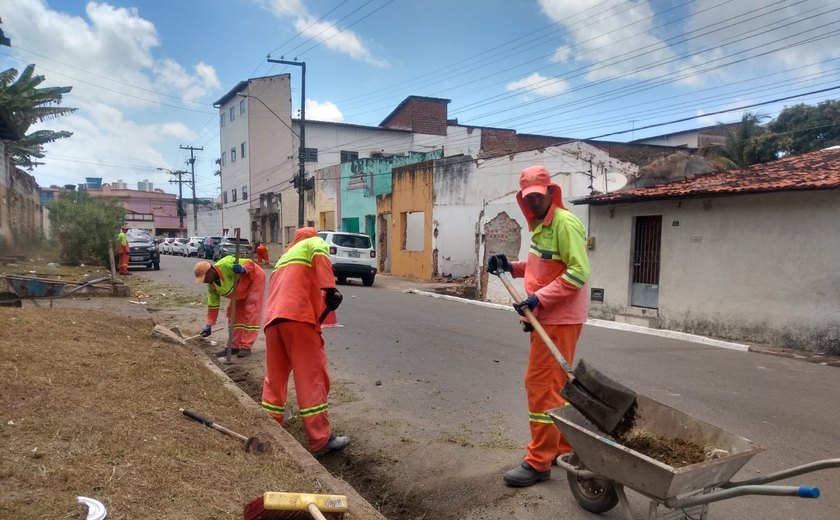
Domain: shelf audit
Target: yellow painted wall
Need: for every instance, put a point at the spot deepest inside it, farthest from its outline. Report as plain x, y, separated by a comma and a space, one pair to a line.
412, 191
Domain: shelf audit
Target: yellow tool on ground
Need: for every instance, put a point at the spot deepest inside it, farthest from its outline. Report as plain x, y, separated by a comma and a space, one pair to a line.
285, 505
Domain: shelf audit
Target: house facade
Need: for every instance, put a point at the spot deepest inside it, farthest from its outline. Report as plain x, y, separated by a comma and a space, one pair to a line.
154, 211
749, 255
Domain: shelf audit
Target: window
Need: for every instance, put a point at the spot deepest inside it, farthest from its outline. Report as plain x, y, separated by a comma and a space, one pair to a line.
244, 192
242, 151
413, 225
232, 114
233, 154
224, 158
348, 156
310, 155
241, 106
233, 195
223, 119
224, 197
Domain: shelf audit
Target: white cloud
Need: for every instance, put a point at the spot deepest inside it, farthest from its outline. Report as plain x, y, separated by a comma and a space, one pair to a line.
325, 32
326, 111
621, 40
562, 54
641, 40
539, 85
119, 88
345, 42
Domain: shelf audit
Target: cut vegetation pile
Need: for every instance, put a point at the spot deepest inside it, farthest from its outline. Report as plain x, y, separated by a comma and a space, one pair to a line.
673, 452
89, 406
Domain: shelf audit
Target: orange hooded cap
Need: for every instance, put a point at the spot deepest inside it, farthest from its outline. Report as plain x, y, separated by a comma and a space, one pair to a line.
537, 179
302, 234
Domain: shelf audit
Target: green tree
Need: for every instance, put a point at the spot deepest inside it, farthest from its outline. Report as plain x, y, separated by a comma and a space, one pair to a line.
806, 128
27, 103
748, 143
84, 225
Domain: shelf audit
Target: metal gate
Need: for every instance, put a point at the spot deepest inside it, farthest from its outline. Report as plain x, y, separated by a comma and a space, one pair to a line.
646, 249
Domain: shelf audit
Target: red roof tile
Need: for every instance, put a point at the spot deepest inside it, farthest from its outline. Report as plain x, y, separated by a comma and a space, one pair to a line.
818, 170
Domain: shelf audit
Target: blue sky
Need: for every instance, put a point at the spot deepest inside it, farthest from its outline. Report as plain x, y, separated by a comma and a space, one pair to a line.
145, 73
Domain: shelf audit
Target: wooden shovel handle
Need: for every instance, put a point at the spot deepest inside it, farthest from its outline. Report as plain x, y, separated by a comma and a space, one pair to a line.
504, 276
315, 512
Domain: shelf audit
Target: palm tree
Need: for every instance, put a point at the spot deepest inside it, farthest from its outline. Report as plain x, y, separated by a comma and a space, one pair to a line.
26, 103
746, 144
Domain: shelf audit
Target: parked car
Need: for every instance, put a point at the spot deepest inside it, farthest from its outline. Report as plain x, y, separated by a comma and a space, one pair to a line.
206, 249
165, 247
227, 246
142, 249
179, 246
352, 255
194, 245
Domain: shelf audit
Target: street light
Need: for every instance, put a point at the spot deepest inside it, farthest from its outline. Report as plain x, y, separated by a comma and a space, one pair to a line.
179, 174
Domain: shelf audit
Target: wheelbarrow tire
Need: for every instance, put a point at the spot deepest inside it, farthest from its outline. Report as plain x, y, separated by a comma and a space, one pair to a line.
595, 495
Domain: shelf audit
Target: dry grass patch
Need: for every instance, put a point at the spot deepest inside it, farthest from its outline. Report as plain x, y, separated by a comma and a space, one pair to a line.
99, 399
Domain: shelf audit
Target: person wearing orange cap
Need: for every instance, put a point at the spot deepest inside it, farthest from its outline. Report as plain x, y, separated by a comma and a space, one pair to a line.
556, 273
123, 249
249, 299
300, 293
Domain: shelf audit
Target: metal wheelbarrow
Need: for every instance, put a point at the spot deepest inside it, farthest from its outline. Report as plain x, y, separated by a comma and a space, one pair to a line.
33, 288
599, 468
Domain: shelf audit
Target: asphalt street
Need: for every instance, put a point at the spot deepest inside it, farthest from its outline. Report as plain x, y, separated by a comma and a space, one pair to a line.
438, 361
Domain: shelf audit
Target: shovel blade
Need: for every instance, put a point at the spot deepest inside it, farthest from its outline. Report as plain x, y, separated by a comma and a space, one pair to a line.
604, 401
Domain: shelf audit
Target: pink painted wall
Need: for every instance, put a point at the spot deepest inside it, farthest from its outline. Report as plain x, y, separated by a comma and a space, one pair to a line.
164, 206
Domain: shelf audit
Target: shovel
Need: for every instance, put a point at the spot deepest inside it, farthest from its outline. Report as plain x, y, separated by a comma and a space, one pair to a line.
610, 405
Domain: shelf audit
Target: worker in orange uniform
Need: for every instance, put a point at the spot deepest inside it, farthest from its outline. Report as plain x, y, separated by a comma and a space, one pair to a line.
262, 253
249, 299
123, 249
300, 293
556, 275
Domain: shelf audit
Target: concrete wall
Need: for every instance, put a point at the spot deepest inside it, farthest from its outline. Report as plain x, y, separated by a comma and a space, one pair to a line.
757, 268
20, 208
210, 222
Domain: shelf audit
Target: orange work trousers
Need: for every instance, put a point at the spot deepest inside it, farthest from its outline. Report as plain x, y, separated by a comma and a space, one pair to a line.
297, 347
123, 261
543, 380
247, 326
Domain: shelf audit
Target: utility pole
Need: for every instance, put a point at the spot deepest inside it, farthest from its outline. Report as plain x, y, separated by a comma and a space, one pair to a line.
180, 181
301, 177
191, 162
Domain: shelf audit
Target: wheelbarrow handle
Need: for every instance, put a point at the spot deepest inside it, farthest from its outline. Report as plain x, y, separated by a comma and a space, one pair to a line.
504, 276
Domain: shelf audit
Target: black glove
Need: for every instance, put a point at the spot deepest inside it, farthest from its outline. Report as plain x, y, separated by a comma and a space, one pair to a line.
498, 263
333, 299
530, 302
206, 331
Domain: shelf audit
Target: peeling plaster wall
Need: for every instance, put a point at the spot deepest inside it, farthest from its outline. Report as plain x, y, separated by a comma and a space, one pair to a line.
470, 193
412, 191
759, 267
20, 209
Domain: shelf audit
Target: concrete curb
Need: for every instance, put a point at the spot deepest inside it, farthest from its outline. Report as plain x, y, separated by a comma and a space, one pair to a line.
311, 469
672, 334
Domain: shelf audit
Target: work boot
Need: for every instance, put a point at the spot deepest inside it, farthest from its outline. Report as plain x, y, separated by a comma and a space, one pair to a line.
525, 476
243, 352
223, 352
334, 444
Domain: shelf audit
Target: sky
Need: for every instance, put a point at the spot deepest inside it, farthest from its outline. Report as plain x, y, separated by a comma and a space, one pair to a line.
145, 74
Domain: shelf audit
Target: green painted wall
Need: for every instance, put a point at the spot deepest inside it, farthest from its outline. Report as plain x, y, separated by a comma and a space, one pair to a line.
363, 179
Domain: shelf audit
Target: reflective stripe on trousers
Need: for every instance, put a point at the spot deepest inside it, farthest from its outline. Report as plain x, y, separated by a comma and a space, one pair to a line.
296, 347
